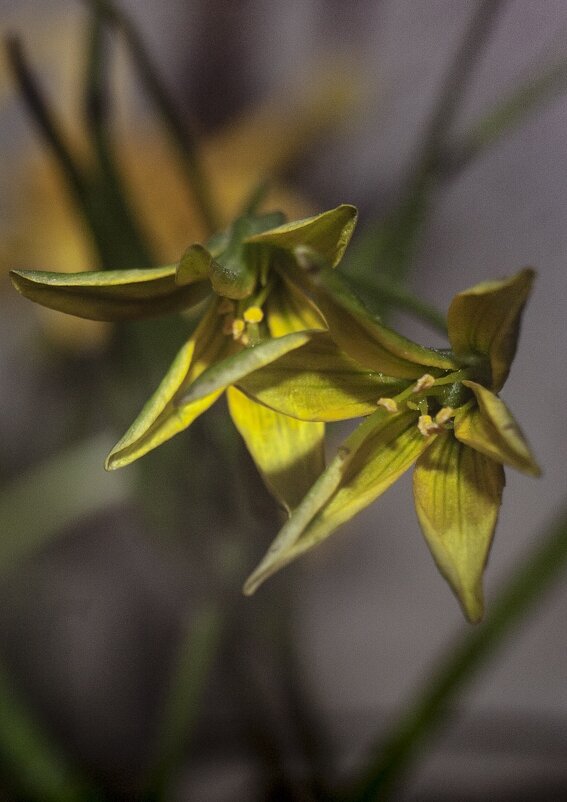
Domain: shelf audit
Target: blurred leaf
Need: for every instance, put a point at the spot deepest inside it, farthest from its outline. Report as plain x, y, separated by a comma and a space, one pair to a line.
35, 507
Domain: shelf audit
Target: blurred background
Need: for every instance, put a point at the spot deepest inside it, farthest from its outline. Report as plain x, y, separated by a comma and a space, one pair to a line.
446, 124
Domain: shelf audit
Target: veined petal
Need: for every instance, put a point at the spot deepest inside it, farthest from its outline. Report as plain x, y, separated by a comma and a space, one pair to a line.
457, 494
492, 430
326, 235
368, 462
289, 310
236, 366
485, 321
162, 418
110, 295
288, 453
318, 382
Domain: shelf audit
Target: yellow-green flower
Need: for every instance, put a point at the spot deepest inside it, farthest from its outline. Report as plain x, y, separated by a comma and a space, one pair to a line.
252, 316
447, 419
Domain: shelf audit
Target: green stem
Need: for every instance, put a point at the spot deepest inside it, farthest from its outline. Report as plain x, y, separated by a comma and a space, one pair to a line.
180, 133
395, 754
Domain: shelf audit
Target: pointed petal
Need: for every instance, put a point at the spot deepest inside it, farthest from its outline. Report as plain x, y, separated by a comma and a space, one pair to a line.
318, 382
194, 265
288, 453
326, 235
236, 366
457, 497
289, 310
109, 294
369, 461
492, 430
162, 418
485, 321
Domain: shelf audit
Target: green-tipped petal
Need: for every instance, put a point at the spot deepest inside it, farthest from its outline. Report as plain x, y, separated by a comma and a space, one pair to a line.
162, 417
109, 295
368, 462
318, 382
236, 366
288, 453
323, 237
457, 497
492, 430
485, 321
289, 310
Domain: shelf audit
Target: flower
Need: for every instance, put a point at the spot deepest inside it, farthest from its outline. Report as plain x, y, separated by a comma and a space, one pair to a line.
447, 420
252, 316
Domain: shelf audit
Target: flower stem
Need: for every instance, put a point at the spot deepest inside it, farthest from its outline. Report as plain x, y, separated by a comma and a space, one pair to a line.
395, 754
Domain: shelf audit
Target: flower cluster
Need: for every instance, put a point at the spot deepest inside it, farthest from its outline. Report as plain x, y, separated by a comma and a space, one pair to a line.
294, 348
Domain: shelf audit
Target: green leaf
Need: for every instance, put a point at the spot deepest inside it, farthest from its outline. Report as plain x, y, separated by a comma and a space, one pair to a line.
288, 453
323, 238
236, 366
492, 430
109, 295
318, 382
457, 493
485, 321
367, 463
162, 417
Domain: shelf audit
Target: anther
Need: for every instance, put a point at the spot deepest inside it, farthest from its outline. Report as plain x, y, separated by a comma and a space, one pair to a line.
253, 314
444, 414
424, 383
238, 326
428, 426
389, 404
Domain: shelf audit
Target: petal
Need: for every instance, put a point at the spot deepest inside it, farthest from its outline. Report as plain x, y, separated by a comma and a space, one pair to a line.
368, 462
485, 321
162, 418
491, 429
109, 294
288, 453
288, 310
318, 382
457, 494
194, 265
326, 235
236, 366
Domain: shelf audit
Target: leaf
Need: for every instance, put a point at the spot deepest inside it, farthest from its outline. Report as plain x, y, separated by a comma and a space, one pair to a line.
236, 366
288, 453
162, 417
109, 295
485, 321
457, 493
492, 430
318, 382
368, 462
324, 236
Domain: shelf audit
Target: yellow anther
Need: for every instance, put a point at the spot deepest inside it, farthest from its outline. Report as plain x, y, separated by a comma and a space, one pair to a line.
238, 326
388, 403
245, 339
444, 414
253, 314
225, 306
427, 426
424, 383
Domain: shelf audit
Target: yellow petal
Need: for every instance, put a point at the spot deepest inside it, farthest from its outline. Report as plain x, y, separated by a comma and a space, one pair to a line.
457, 494
319, 383
161, 418
368, 462
485, 321
109, 294
288, 453
288, 310
492, 430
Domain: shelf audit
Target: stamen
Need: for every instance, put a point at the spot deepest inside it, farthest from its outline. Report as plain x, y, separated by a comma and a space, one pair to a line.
389, 404
253, 314
238, 326
427, 426
444, 414
424, 383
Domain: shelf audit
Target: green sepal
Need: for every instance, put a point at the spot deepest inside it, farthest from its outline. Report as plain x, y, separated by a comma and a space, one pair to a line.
110, 295
457, 493
322, 238
318, 382
288, 453
236, 366
377, 453
194, 265
492, 430
484, 321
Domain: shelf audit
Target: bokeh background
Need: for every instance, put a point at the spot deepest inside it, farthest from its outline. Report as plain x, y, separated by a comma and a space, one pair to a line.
337, 99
